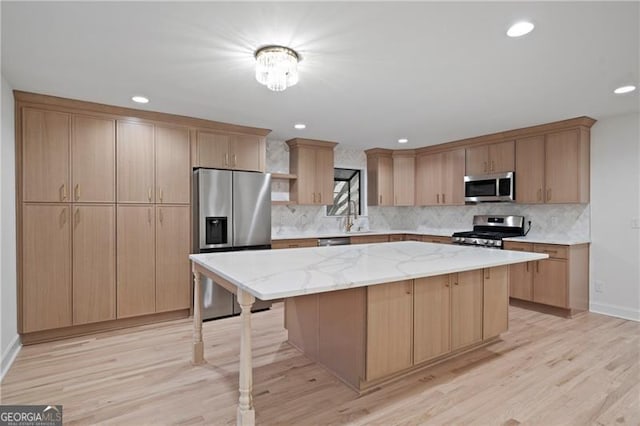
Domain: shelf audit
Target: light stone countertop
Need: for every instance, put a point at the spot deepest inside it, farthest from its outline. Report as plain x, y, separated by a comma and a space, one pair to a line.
541, 239
273, 274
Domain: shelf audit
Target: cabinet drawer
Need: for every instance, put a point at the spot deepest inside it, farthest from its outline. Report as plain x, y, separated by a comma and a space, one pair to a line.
282, 244
510, 245
436, 239
554, 251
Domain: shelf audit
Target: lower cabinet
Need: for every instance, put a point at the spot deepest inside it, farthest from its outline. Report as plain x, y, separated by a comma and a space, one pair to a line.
389, 328
152, 258
294, 243
561, 281
368, 334
94, 263
369, 239
439, 239
46, 267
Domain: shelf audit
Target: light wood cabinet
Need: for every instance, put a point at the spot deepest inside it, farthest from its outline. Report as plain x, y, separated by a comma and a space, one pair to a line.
312, 162
46, 267
369, 239
380, 177
436, 239
440, 178
562, 280
173, 165
432, 317
135, 162
493, 158
94, 263
396, 237
495, 310
404, 175
389, 328
466, 308
231, 151
173, 278
294, 243
553, 168
93, 159
135, 261
567, 167
45, 155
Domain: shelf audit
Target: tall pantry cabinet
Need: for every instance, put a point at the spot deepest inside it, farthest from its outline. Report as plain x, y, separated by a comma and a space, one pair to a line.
103, 214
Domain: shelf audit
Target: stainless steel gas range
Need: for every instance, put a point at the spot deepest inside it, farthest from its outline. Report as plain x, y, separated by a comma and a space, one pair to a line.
488, 231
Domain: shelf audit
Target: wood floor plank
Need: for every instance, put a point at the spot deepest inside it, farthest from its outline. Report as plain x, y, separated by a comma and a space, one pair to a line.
545, 370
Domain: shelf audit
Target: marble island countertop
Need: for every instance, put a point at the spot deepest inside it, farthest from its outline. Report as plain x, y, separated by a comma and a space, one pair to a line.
561, 239
273, 274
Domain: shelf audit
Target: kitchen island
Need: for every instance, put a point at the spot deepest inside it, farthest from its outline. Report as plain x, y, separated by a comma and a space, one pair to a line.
358, 309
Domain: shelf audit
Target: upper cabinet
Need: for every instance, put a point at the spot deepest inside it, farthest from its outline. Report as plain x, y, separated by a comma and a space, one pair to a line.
153, 163
440, 178
312, 162
93, 159
67, 157
173, 170
380, 177
231, 151
404, 176
553, 168
493, 158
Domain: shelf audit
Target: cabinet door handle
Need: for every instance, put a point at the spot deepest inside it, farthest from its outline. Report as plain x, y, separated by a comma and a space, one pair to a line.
537, 266
548, 194
76, 192
160, 215
149, 194
487, 273
444, 199
63, 192
455, 283
381, 199
226, 159
539, 197
493, 165
161, 194
409, 287
437, 198
63, 217
76, 218
234, 160
527, 265
320, 197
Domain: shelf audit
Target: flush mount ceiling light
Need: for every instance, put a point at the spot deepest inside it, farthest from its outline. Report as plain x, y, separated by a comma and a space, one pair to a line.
624, 89
403, 140
520, 28
300, 126
277, 67
140, 99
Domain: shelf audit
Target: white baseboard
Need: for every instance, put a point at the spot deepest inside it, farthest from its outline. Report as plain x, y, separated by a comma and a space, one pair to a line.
9, 356
615, 311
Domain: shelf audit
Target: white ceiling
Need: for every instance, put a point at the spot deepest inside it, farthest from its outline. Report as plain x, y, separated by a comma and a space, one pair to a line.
371, 72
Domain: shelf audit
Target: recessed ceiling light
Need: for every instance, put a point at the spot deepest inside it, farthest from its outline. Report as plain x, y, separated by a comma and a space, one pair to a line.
520, 28
140, 99
403, 140
300, 126
624, 89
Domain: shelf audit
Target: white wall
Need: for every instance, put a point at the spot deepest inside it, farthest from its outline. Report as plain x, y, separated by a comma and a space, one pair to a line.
9, 340
615, 204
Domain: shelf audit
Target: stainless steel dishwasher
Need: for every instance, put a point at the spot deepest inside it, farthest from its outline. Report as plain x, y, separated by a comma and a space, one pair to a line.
336, 241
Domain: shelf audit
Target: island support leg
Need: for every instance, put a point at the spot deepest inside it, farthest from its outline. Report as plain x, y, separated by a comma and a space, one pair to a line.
246, 413
198, 344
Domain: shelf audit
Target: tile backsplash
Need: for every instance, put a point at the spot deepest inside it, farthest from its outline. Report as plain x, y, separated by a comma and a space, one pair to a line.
558, 220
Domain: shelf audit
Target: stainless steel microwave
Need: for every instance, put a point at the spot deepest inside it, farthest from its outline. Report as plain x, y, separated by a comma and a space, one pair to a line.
489, 188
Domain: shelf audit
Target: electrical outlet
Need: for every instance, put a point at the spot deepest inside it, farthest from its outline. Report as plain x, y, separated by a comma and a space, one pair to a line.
598, 286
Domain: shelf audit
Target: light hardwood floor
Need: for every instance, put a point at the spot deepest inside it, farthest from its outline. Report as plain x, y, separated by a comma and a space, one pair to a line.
547, 370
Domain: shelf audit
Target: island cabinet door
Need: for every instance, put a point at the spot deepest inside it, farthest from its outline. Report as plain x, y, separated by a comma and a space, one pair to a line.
431, 318
389, 328
495, 312
466, 308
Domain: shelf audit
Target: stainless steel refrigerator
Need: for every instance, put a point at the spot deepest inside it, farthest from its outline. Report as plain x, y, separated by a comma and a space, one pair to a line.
232, 211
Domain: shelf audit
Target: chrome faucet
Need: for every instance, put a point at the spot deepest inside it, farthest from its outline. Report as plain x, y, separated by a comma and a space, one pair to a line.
351, 215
